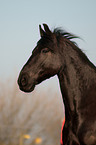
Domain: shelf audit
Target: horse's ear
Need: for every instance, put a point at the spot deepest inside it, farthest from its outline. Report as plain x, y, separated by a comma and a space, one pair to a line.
41, 31
46, 28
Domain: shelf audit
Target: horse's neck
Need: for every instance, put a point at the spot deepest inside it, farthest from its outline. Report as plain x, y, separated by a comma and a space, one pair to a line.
74, 78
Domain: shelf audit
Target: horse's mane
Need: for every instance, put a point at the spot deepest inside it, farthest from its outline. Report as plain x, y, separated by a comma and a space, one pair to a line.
62, 33
69, 36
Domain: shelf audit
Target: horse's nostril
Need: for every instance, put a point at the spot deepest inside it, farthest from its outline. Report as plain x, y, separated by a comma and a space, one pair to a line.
24, 81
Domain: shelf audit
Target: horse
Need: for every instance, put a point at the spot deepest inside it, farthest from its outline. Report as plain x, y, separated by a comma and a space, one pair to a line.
57, 54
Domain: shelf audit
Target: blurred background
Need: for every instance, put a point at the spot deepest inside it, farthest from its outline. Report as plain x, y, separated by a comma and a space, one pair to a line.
36, 118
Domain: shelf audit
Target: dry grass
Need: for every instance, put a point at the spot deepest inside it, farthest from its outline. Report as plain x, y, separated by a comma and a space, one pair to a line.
38, 114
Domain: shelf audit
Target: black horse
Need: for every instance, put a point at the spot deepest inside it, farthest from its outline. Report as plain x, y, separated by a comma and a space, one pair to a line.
56, 54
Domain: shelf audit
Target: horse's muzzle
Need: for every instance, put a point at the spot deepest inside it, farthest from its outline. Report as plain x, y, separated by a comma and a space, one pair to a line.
25, 84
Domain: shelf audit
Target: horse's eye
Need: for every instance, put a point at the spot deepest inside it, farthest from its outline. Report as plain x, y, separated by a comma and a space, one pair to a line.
45, 50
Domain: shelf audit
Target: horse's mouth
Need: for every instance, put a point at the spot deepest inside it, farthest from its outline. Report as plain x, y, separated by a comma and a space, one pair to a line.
27, 89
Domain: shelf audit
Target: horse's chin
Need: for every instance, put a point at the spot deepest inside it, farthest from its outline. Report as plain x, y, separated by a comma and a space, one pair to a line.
27, 89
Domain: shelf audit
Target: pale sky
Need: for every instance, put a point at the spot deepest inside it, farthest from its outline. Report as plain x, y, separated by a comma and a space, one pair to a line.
19, 20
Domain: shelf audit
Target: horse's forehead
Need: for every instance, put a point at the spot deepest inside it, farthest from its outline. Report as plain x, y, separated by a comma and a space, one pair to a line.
42, 43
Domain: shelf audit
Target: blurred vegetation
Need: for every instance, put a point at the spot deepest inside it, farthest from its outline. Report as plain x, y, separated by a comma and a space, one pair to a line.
29, 119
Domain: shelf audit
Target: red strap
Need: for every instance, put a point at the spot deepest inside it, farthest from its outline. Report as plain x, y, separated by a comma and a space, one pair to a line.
61, 141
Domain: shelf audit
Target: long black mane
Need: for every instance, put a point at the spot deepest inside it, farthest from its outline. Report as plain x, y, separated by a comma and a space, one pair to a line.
69, 36
60, 32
